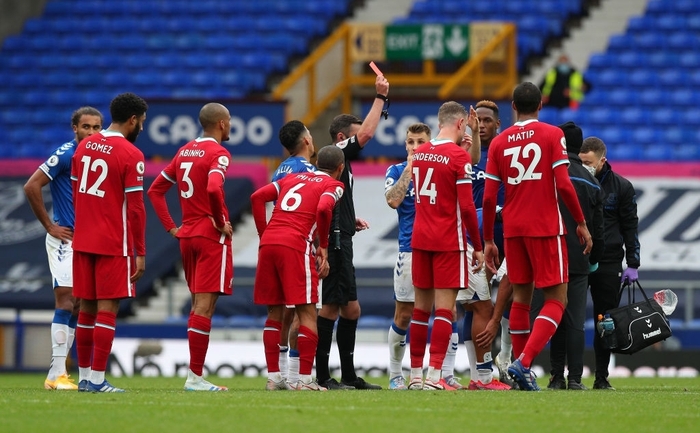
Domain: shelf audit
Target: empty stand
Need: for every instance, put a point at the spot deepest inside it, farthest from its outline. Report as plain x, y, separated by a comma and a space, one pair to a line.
86, 53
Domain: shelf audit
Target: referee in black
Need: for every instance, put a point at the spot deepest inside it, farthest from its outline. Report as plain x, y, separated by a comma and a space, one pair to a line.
339, 293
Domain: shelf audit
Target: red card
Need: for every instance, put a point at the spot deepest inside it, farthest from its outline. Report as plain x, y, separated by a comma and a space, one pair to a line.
375, 69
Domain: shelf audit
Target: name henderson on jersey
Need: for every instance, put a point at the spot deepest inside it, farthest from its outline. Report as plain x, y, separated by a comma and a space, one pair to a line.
431, 157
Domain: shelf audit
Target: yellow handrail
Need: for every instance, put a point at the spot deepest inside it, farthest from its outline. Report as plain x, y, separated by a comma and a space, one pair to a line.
310, 62
471, 73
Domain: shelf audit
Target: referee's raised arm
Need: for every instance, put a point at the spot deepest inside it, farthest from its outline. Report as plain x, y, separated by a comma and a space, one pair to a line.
369, 125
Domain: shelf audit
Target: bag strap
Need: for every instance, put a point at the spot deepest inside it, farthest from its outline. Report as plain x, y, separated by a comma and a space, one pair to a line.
631, 290
639, 286
623, 286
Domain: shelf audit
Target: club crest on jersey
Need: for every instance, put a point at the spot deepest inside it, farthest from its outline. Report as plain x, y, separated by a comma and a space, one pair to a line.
223, 161
468, 170
52, 161
140, 167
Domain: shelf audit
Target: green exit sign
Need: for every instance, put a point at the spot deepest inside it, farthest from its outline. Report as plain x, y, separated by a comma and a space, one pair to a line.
427, 42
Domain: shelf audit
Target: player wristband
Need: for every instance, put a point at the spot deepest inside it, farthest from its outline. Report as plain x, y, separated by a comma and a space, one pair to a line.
382, 97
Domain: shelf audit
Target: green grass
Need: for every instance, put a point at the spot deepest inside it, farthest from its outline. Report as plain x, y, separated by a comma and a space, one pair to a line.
159, 405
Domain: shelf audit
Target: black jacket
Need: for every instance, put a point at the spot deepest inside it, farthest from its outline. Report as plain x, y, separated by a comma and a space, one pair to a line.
621, 221
590, 196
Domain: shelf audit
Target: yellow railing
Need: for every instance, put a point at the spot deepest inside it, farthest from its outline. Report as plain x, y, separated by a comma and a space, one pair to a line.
327, 75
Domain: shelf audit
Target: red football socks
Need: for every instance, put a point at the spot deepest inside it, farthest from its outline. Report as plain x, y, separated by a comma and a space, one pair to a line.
103, 335
198, 328
440, 337
519, 326
542, 330
271, 343
306, 344
418, 332
84, 337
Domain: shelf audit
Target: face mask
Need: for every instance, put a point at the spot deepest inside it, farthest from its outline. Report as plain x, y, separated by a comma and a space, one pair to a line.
591, 169
564, 69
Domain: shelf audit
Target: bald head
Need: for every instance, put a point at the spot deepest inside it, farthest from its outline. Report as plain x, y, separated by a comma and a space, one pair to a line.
211, 114
330, 158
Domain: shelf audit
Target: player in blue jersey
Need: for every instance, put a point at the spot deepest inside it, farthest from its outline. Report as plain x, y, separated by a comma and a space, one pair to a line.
399, 193
296, 138
489, 124
55, 171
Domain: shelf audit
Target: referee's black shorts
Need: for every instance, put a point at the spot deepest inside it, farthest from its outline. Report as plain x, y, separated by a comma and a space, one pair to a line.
339, 286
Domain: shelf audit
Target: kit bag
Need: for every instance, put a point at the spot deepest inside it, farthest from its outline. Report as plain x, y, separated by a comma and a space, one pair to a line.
637, 324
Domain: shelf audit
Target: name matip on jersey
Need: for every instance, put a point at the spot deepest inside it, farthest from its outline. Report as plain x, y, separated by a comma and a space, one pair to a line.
523, 157
439, 167
105, 168
190, 170
293, 221
57, 168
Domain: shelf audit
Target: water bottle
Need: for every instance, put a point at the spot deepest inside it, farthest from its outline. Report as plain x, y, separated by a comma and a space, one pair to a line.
606, 330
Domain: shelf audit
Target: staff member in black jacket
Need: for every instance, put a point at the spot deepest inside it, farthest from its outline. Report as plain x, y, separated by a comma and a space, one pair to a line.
568, 343
621, 241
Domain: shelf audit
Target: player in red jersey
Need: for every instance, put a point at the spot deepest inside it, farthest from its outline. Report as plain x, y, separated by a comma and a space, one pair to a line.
530, 158
199, 170
444, 206
110, 218
286, 272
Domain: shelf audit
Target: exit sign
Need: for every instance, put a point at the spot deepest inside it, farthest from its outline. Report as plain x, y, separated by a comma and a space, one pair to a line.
427, 42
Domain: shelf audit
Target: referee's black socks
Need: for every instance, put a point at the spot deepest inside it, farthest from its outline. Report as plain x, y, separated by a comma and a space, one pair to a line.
347, 332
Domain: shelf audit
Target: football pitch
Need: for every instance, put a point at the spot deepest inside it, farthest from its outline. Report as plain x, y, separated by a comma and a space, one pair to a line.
160, 405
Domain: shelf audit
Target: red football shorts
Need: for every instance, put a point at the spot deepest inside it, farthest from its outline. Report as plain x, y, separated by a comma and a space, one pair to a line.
543, 260
208, 265
440, 269
102, 277
285, 276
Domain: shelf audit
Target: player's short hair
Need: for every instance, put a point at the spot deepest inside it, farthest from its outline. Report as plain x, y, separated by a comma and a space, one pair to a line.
342, 123
211, 114
485, 103
527, 98
450, 112
85, 111
125, 105
329, 158
595, 145
419, 128
291, 133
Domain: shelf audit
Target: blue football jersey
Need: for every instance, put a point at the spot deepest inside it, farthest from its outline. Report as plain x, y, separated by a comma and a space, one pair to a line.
57, 168
293, 164
406, 210
479, 181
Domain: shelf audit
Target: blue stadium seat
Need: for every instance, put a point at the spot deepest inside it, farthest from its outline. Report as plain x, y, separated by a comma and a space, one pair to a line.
647, 135
685, 152
691, 117
684, 98
643, 78
663, 115
612, 78
690, 60
633, 116
656, 151
670, 78
669, 22
620, 151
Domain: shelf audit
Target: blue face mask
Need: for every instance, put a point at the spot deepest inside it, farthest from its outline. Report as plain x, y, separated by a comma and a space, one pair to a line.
564, 69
